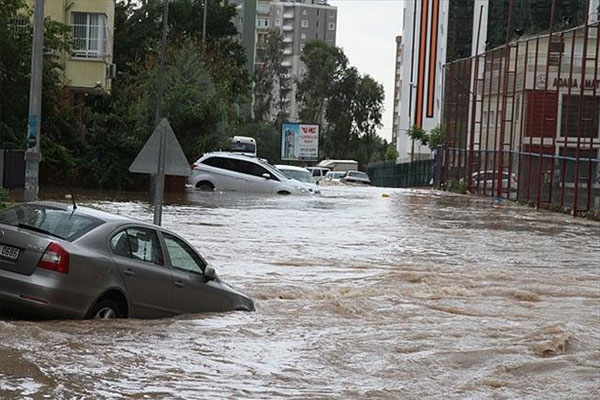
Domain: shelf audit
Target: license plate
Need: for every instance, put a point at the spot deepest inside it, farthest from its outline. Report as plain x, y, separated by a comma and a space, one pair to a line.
12, 253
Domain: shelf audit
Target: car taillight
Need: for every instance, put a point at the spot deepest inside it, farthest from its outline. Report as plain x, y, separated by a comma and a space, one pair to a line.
55, 258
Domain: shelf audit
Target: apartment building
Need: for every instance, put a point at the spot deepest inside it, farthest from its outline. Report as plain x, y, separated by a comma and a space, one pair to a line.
88, 67
245, 23
425, 29
299, 21
397, 90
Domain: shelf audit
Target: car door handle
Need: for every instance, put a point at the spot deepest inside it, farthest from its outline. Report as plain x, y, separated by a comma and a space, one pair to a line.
129, 272
178, 284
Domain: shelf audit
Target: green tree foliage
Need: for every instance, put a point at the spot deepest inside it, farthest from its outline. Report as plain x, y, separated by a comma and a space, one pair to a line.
367, 114
191, 102
325, 66
391, 153
349, 103
436, 137
138, 28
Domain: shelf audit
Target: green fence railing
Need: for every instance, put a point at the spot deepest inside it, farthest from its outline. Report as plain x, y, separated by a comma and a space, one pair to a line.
412, 174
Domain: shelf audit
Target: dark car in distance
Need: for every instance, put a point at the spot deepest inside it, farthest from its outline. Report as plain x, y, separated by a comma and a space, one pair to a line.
63, 261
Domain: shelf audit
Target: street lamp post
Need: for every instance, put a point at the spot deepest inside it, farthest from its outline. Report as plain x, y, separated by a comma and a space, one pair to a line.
204, 21
32, 154
411, 85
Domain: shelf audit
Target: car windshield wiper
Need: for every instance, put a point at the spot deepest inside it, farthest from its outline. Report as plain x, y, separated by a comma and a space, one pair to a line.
40, 230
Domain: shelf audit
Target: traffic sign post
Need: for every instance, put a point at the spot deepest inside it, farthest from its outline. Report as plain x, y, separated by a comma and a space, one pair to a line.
161, 155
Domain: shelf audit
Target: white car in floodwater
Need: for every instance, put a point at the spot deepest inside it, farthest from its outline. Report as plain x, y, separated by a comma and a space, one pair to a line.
300, 174
333, 178
225, 171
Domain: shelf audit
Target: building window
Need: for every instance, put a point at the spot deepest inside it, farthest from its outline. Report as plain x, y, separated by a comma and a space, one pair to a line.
302, 47
89, 35
277, 22
305, 23
304, 12
331, 14
303, 36
262, 23
19, 23
571, 125
331, 26
557, 47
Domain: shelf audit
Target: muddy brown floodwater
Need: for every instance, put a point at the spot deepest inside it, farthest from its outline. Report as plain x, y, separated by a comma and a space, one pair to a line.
359, 296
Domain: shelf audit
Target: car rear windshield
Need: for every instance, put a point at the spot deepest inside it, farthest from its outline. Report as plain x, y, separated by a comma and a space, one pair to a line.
53, 221
240, 147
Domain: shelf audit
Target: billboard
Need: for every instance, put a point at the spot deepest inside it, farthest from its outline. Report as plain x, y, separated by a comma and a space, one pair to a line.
300, 142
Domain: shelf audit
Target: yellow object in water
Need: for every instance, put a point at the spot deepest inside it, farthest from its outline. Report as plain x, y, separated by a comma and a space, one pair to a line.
385, 195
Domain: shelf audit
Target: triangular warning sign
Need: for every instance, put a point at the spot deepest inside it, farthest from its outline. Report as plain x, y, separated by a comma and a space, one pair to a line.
146, 161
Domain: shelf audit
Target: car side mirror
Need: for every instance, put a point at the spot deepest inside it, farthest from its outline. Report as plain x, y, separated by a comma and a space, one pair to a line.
266, 175
210, 274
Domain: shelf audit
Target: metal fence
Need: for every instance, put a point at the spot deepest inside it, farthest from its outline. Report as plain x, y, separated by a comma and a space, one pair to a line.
390, 174
522, 121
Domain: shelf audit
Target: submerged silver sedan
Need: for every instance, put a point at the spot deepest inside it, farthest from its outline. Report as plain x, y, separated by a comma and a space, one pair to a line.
63, 261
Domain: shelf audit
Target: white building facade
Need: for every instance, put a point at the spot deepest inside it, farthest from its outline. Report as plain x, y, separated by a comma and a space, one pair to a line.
424, 38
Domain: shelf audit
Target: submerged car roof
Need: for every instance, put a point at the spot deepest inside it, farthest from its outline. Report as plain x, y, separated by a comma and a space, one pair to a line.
230, 154
92, 212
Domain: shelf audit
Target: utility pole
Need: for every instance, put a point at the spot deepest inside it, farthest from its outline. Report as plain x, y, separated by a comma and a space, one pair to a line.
159, 184
32, 153
204, 22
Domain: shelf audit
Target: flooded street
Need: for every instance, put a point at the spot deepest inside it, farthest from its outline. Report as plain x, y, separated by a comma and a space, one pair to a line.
417, 295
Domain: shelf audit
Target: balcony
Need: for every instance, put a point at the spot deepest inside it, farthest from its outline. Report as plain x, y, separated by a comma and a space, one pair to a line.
288, 16
286, 64
263, 9
288, 39
288, 52
288, 28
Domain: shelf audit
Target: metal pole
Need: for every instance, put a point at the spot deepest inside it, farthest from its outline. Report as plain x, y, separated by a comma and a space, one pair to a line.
504, 93
584, 57
474, 108
204, 21
541, 148
32, 154
159, 184
161, 67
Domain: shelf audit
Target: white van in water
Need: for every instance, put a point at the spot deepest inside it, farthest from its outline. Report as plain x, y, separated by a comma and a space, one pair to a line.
243, 145
318, 173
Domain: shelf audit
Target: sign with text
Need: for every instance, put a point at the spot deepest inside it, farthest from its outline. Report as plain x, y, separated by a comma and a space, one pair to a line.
300, 142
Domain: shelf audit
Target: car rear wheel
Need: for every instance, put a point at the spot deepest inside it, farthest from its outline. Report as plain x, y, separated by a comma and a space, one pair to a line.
205, 186
106, 309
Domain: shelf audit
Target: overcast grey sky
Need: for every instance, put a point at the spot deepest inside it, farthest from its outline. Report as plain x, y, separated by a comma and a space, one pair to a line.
367, 31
